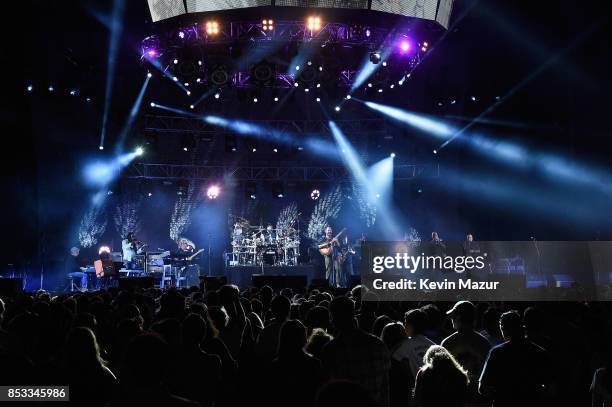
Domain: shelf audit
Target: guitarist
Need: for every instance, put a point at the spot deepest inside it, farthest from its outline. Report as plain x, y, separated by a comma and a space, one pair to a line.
332, 266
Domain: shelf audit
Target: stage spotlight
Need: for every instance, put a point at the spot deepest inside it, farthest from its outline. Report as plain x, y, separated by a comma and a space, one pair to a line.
213, 192
435, 151
267, 25
384, 63
348, 97
296, 84
199, 62
392, 155
255, 100
186, 84
212, 28
101, 147
275, 150
375, 57
152, 104
188, 93
473, 98
88, 99
181, 34
217, 96
150, 194
369, 85
300, 148
297, 67
139, 151
453, 102
198, 80
318, 85
220, 76
315, 194
73, 92
175, 61
175, 79
380, 90
29, 88
404, 46
51, 88
104, 249
391, 86
191, 107
337, 108
149, 74
276, 98
152, 53
318, 99
313, 23
254, 150
306, 90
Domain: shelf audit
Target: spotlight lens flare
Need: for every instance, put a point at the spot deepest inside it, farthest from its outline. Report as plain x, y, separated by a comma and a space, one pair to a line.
405, 46
213, 192
139, 151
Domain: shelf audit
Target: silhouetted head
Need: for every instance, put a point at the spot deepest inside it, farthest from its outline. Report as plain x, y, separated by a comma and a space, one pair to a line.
193, 329
317, 317
342, 311
511, 325
462, 315
81, 348
280, 307
415, 322
393, 334
292, 338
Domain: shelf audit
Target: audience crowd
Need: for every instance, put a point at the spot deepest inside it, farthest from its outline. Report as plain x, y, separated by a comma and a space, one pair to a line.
323, 347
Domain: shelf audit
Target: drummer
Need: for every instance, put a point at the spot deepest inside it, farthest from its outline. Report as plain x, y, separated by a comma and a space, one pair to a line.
269, 234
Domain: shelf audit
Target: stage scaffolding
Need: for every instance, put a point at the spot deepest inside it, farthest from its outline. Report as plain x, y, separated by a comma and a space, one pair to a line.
266, 173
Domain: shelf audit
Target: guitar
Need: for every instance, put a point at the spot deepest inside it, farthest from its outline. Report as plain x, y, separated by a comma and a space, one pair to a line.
194, 255
326, 248
344, 252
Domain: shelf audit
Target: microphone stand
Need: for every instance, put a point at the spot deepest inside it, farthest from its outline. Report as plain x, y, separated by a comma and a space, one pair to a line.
535, 243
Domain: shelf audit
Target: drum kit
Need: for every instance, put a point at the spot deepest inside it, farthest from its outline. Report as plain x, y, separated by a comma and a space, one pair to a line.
264, 246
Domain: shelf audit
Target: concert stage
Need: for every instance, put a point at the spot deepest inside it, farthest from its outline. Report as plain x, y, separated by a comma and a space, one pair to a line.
243, 276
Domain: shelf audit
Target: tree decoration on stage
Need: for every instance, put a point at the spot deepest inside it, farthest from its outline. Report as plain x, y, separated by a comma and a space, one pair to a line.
183, 209
367, 209
93, 225
328, 207
126, 216
412, 236
287, 217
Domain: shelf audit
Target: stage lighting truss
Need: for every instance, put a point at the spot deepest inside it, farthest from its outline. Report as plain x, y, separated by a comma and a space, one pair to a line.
200, 43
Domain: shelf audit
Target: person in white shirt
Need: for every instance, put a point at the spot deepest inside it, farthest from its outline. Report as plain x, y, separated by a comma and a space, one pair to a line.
413, 348
129, 249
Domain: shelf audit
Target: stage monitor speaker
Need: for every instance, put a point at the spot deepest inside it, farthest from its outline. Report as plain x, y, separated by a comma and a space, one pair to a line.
562, 280
280, 282
132, 283
10, 287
